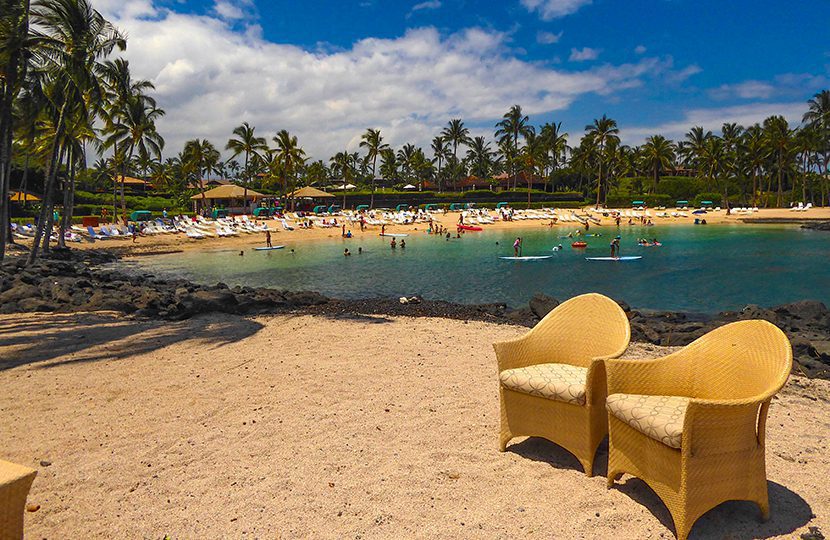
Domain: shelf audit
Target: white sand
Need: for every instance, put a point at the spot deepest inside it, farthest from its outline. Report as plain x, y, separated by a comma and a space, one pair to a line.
309, 427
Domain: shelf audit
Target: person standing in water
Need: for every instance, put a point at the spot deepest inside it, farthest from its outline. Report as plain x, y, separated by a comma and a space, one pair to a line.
517, 246
268, 238
393, 244
403, 243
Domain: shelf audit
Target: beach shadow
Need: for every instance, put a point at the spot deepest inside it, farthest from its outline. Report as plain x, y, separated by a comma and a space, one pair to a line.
359, 317
543, 450
88, 337
739, 520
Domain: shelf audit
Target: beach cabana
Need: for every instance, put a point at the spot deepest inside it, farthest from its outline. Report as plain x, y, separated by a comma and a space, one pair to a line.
501, 205
362, 207
456, 206
402, 206
430, 206
706, 204
682, 204
638, 204
231, 197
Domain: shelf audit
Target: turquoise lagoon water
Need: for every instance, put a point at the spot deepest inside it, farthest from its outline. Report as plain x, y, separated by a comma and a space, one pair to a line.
699, 268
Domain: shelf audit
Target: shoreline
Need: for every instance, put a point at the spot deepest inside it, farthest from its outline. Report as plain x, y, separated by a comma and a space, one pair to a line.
177, 243
79, 281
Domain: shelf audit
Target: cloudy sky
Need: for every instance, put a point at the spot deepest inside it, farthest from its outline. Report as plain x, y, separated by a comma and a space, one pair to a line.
328, 69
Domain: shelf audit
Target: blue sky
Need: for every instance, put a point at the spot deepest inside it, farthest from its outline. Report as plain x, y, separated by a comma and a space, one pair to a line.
326, 70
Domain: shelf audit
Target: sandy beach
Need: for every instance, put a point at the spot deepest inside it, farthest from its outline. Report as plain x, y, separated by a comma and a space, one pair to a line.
313, 427
147, 245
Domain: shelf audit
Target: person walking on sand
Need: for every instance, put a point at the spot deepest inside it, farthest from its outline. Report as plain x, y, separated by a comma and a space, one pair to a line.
268, 238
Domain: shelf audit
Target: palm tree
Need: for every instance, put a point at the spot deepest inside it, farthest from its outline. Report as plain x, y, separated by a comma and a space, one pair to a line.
778, 137
388, 165
657, 155
456, 133
440, 153
290, 156
15, 45
693, 147
74, 38
818, 118
131, 127
603, 132
480, 157
372, 141
715, 160
755, 151
249, 144
201, 155
513, 124
556, 145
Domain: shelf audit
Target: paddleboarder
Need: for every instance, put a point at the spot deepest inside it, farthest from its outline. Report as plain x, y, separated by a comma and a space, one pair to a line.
517, 246
268, 239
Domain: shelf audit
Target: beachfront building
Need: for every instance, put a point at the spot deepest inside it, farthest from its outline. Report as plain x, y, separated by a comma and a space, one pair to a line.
306, 198
133, 184
230, 197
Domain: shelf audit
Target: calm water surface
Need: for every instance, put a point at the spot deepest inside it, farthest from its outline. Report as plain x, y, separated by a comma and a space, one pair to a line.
699, 268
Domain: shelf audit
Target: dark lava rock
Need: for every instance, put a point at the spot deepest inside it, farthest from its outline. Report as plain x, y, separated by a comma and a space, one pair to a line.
19, 292
542, 304
817, 226
36, 304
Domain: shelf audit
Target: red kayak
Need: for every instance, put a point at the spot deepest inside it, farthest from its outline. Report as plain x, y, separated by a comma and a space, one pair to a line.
579, 244
469, 228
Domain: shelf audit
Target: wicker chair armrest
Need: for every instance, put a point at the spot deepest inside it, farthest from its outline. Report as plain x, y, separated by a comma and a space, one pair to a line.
596, 383
515, 353
713, 427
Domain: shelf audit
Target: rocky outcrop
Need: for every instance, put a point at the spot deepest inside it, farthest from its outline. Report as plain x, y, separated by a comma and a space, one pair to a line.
817, 226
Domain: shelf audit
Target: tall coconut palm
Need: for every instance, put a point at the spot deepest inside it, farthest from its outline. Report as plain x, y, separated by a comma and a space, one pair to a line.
657, 155
388, 165
556, 146
75, 38
513, 124
290, 156
603, 132
15, 51
457, 134
693, 146
200, 154
132, 128
440, 153
756, 154
246, 142
818, 118
372, 141
480, 157
778, 138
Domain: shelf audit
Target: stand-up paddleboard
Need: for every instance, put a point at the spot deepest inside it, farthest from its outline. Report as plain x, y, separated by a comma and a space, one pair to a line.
527, 258
268, 248
629, 258
394, 235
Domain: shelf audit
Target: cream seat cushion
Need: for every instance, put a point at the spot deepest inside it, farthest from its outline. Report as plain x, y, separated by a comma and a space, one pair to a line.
659, 417
559, 382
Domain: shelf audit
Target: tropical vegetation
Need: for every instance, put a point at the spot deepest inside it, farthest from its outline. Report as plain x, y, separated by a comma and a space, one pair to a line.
64, 103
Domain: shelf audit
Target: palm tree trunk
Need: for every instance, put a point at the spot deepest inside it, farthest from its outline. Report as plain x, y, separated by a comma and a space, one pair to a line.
754, 187
245, 187
68, 206
779, 198
49, 185
372, 196
599, 182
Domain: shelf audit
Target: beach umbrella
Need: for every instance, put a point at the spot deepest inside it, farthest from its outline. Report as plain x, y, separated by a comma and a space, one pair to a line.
409, 186
20, 196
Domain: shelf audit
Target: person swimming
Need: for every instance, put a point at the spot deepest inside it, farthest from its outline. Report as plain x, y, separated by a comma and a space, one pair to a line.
346, 252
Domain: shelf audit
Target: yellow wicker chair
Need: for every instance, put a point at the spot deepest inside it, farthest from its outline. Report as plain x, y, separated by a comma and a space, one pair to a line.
15, 481
691, 425
553, 378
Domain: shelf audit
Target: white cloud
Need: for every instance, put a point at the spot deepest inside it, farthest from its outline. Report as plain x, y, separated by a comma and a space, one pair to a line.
552, 9
429, 4
548, 38
713, 118
640, 49
586, 53
211, 76
781, 86
228, 10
